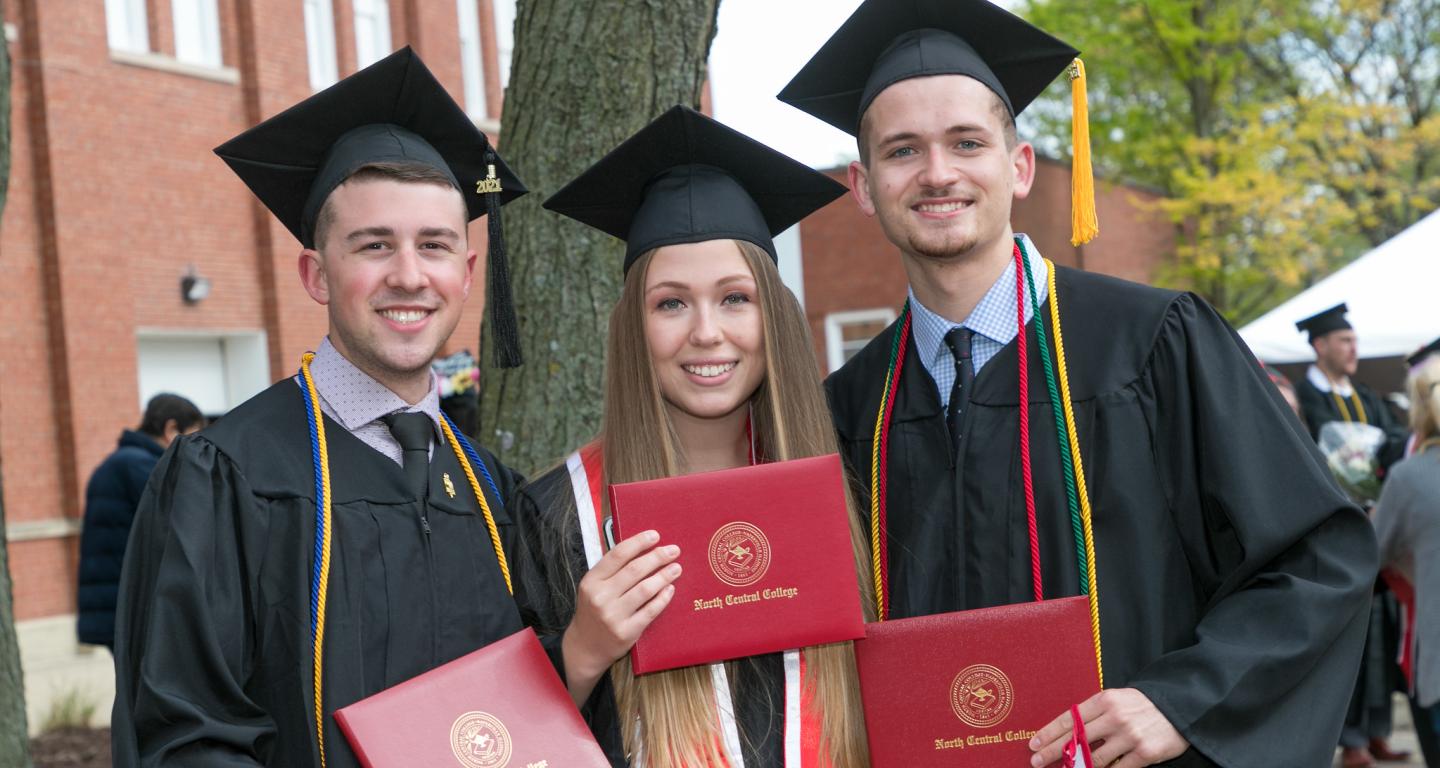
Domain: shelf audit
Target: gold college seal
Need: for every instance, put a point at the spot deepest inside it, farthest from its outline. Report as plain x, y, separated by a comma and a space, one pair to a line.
480, 740
739, 554
981, 695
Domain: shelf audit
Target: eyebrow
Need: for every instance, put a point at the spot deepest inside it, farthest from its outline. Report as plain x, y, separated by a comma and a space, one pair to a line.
389, 232
439, 232
735, 278
911, 135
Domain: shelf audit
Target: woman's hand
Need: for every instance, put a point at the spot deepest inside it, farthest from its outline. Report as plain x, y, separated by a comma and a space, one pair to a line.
615, 602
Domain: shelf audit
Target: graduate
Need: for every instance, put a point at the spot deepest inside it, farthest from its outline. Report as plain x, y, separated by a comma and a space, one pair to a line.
334, 535
1230, 575
709, 365
1327, 394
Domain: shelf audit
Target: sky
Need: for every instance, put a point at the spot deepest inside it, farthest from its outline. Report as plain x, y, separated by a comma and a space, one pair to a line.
760, 45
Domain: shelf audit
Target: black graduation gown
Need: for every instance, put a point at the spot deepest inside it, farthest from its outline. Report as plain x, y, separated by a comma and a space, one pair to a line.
1233, 576
546, 508
1320, 408
213, 652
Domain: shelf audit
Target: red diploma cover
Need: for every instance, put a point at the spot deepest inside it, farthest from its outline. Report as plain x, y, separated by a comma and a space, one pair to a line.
767, 560
971, 688
502, 705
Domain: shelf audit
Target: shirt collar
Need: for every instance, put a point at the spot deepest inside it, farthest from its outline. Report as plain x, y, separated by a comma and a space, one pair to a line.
355, 398
993, 317
1322, 382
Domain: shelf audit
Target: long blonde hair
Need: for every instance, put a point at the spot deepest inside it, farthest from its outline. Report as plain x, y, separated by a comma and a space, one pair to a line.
669, 717
1424, 390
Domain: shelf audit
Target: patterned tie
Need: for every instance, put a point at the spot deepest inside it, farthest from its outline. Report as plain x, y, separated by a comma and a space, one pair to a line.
958, 340
413, 430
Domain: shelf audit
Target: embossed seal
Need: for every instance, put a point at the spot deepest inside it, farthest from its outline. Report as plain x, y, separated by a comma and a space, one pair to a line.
480, 740
982, 696
739, 554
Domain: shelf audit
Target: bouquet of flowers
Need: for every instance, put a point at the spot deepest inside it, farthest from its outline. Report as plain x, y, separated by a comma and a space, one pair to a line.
1352, 451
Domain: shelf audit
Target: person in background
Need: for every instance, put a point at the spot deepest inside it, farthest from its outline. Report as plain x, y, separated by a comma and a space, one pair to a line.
1407, 524
1287, 390
458, 377
111, 497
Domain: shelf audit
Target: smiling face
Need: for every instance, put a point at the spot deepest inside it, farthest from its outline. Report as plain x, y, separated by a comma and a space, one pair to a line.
939, 172
393, 270
704, 328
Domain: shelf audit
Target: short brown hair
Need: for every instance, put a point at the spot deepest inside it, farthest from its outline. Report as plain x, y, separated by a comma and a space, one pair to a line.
997, 105
405, 173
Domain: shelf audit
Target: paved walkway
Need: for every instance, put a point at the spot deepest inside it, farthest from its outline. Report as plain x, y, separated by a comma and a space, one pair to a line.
1402, 738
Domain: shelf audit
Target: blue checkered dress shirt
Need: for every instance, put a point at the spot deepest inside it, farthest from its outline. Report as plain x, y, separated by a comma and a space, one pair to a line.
992, 321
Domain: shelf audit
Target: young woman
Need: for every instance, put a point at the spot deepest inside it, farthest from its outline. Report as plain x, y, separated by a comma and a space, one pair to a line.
709, 366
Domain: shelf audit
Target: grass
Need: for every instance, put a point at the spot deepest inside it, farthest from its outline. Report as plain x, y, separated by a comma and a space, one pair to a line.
73, 708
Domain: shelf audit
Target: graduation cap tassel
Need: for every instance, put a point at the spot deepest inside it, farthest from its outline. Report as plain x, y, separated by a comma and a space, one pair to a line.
503, 322
1084, 224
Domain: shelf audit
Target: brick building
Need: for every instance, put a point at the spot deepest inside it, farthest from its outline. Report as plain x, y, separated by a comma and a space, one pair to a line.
135, 261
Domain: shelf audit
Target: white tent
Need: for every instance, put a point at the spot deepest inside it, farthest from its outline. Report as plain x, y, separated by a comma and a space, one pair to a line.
1393, 293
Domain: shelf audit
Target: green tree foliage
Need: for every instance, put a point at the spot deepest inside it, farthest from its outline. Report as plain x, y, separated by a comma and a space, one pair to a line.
1288, 135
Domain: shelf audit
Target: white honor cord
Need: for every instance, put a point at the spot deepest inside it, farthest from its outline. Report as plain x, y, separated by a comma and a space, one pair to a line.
792, 709
585, 509
729, 732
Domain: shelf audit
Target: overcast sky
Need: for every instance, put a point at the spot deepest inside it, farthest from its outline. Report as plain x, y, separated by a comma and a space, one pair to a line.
760, 45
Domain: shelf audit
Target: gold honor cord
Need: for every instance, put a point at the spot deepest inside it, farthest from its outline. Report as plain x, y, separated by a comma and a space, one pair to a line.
1345, 412
1085, 513
324, 533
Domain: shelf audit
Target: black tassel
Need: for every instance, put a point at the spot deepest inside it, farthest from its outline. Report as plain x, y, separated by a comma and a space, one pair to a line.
504, 325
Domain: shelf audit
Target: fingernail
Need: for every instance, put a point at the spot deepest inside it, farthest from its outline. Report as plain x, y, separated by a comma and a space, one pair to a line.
1035, 743
673, 569
671, 551
651, 536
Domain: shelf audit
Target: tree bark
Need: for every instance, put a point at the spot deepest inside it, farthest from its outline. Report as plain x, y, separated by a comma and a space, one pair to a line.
585, 75
14, 747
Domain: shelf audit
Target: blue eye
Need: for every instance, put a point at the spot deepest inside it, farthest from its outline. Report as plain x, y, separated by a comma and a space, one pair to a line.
903, 152
670, 304
737, 298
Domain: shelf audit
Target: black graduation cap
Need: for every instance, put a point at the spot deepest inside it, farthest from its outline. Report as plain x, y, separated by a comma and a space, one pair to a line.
887, 41
392, 111
1422, 354
1321, 323
686, 178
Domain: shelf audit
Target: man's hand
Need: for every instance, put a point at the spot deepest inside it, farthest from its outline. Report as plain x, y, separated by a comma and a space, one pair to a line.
1121, 724
615, 601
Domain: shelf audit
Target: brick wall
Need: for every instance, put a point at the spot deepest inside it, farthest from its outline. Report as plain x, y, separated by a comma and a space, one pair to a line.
114, 193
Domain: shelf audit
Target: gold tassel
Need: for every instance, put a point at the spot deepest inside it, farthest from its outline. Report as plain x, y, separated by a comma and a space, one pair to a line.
1084, 224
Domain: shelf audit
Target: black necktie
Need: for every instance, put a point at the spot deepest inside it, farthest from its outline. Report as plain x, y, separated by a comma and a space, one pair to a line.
413, 430
958, 340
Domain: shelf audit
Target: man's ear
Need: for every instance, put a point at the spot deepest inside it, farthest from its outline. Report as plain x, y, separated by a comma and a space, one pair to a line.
859, 178
1023, 160
469, 271
312, 275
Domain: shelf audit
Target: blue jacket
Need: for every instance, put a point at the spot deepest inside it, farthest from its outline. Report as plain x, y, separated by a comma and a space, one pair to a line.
111, 498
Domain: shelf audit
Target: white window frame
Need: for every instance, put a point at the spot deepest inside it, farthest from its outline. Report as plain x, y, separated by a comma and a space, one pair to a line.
472, 57
372, 31
243, 358
504, 38
835, 323
126, 27
197, 32
320, 53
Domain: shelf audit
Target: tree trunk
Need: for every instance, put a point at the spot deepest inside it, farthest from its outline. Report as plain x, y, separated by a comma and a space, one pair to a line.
14, 749
586, 74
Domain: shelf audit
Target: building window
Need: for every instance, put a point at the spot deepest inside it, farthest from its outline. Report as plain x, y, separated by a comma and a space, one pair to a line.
197, 32
216, 371
320, 43
504, 37
848, 332
470, 58
126, 27
372, 31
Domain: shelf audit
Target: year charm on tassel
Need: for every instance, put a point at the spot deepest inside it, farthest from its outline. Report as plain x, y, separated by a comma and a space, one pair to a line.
489, 184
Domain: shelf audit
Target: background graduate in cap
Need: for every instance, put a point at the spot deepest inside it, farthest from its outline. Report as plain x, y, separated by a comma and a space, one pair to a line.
709, 365
1169, 481
334, 535
1327, 394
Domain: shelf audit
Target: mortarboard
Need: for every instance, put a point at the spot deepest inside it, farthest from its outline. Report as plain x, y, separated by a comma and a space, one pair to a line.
686, 178
1422, 354
887, 41
392, 111
1321, 323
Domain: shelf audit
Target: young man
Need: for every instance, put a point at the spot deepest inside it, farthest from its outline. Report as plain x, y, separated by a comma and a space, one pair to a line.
325, 540
1232, 579
111, 498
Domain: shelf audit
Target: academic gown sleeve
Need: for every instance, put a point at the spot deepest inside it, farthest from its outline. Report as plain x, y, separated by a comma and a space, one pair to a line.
184, 633
555, 548
1282, 563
